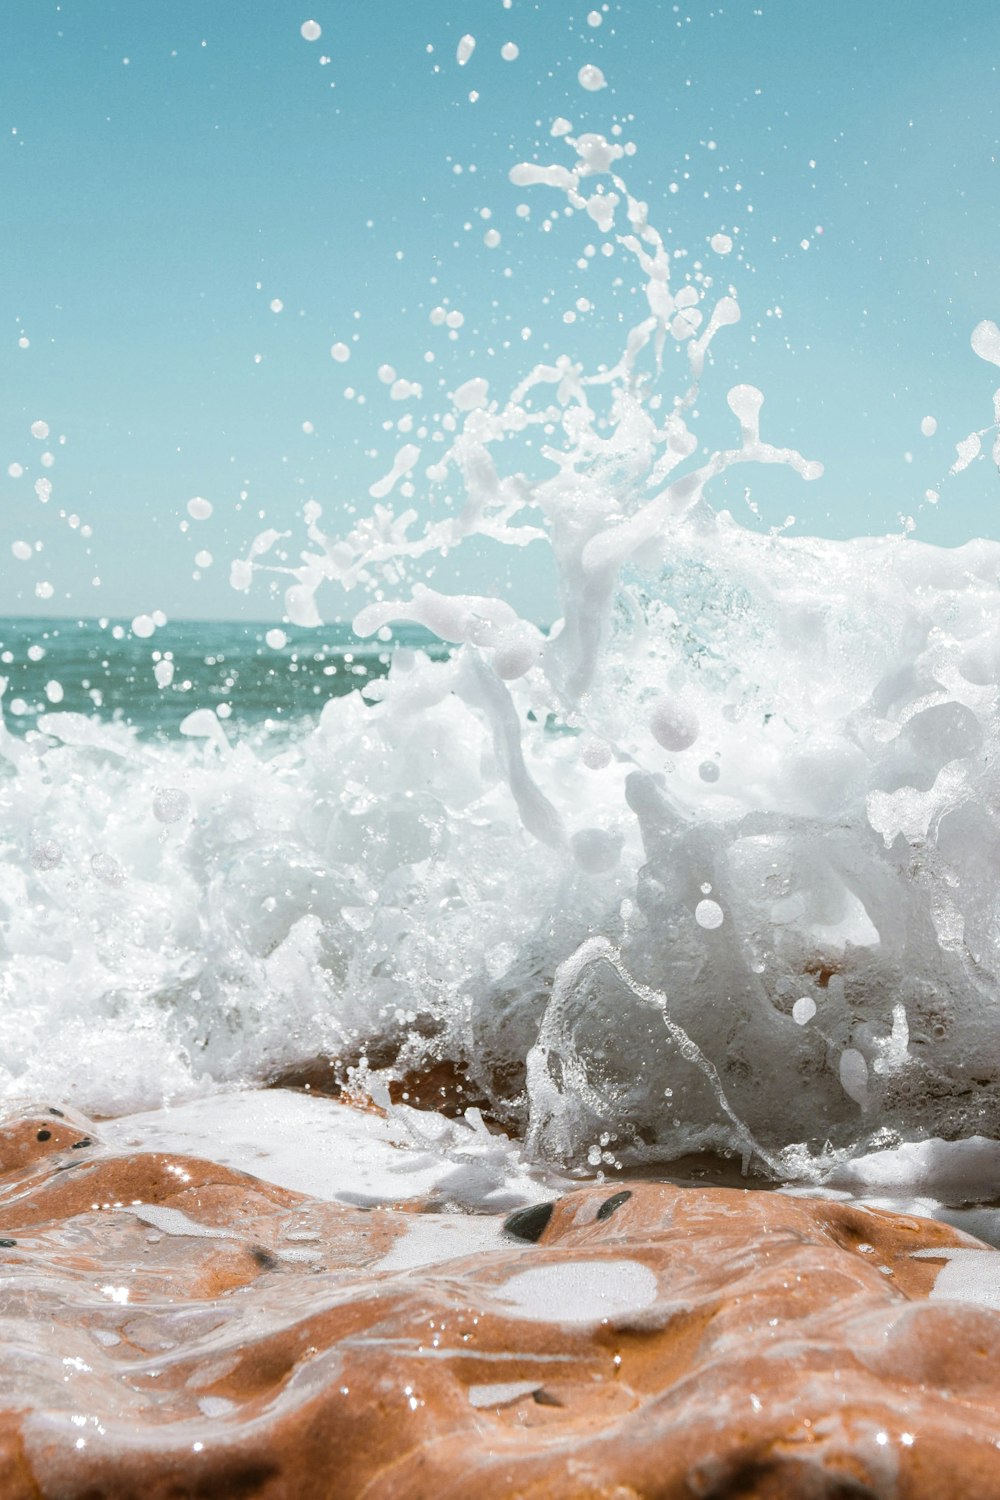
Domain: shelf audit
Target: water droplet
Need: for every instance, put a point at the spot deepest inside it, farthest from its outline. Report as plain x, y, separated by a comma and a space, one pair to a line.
170, 804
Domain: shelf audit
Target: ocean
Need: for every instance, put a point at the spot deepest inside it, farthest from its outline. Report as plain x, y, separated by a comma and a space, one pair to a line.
101, 669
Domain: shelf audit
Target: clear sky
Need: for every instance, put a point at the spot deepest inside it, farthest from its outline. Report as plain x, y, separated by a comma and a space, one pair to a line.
170, 168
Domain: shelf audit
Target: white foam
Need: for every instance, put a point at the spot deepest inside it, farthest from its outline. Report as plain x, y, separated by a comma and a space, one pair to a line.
967, 1276
986, 341
583, 1291
505, 1393
324, 1149
173, 1222
434, 1238
956, 1171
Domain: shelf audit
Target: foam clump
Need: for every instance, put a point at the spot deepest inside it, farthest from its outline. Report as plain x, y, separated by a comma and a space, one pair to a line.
673, 725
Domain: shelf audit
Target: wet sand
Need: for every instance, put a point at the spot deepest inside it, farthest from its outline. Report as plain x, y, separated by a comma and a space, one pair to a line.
172, 1327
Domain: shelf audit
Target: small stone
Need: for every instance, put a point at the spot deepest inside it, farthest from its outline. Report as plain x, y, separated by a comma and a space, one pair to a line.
529, 1223
609, 1205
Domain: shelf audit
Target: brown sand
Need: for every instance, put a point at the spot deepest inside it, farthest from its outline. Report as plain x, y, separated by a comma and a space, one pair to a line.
250, 1348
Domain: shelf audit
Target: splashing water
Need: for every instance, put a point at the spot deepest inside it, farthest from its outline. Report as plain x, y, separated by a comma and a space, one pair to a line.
708, 864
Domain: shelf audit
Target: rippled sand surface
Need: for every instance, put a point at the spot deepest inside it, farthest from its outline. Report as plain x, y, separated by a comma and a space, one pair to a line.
174, 1327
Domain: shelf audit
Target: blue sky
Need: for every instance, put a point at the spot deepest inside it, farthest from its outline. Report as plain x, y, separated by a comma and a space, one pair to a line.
169, 169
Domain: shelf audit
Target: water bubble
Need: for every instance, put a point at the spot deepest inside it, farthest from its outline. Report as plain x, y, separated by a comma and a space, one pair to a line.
340, 353
708, 914
199, 509
276, 639
21, 550
15, 470
310, 31
510, 51
591, 78
595, 753
276, 305
203, 559
46, 854
709, 771
54, 691
465, 49
721, 244
986, 341
928, 426
472, 394
594, 18
673, 725
854, 1075
170, 804
107, 869
803, 1010
40, 429
491, 238
163, 671
143, 626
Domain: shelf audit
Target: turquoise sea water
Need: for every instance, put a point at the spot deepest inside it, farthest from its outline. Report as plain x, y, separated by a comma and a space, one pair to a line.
99, 667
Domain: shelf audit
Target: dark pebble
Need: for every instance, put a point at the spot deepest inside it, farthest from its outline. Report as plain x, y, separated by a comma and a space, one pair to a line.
609, 1205
86, 1141
542, 1397
264, 1258
529, 1223
57, 1112
44, 1135
7, 1244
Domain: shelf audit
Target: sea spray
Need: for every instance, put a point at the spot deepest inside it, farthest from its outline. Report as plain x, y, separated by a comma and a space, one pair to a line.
599, 866
828, 685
